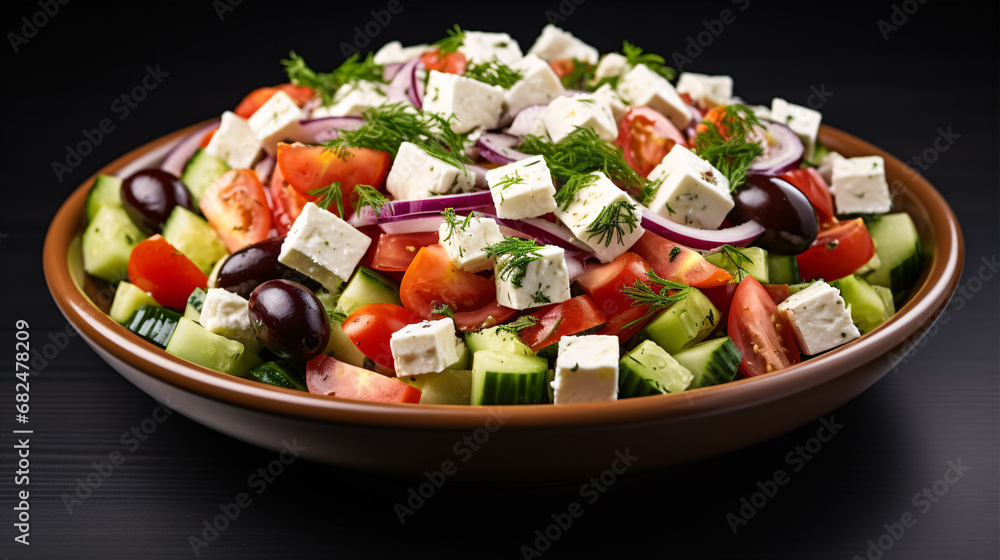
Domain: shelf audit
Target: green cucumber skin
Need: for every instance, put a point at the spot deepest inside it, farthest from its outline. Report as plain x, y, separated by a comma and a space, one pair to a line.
105, 191
711, 365
107, 243
649, 370
155, 324
366, 286
201, 171
279, 374
783, 269
495, 388
898, 246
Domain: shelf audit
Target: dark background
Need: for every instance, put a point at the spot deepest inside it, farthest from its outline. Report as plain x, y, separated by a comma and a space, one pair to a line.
939, 69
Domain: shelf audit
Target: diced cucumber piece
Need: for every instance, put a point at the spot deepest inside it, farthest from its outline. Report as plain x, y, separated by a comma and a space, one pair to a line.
128, 299
508, 378
201, 171
190, 234
783, 269
712, 362
451, 386
684, 323
464, 357
106, 191
886, 295
193, 308
868, 310
366, 286
898, 249
194, 343
108, 242
498, 340
649, 370
153, 323
754, 262
280, 374
796, 288
869, 266
342, 348
328, 299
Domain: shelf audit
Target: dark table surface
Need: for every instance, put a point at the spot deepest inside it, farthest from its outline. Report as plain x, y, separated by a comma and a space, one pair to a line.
928, 69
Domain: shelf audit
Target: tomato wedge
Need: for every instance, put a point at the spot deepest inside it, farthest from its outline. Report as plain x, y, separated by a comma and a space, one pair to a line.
759, 331
155, 266
236, 207
555, 321
678, 263
260, 96
328, 376
837, 251
371, 326
604, 284
811, 183
645, 136
314, 167
449, 63
722, 297
396, 252
286, 202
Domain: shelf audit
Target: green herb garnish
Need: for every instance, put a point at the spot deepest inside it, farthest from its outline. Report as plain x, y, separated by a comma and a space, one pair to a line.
652, 61
611, 222
732, 156
581, 73
738, 259
367, 195
512, 257
451, 43
582, 152
443, 309
327, 83
330, 195
516, 326
454, 223
642, 294
494, 73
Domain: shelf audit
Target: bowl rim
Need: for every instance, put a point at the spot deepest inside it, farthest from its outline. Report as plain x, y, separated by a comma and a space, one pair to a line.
938, 282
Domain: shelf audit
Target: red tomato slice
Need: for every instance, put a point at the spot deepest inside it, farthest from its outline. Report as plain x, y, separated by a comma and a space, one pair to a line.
722, 297
450, 63
811, 183
645, 135
155, 266
759, 331
563, 67
313, 167
207, 138
555, 321
286, 202
604, 284
837, 251
236, 207
327, 376
678, 263
371, 326
396, 252
260, 96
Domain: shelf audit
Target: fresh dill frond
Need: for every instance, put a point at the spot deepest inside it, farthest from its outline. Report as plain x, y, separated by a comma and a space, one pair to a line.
494, 73
580, 152
443, 309
512, 257
451, 43
330, 195
367, 195
454, 222
509, 181
327, 83
516, 326
579, 75
652, 61
540, 297
738, 259
610, 224
643, 294
731, 153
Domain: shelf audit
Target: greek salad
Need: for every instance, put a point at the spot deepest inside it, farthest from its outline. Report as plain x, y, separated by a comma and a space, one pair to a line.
467, 223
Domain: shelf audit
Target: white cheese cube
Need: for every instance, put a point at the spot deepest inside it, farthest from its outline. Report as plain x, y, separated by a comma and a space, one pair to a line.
323, 247
859, 186
818, 318
479, 47
691, 192
427, 347
415, 175
612, 65
351, 100
546, 280
538, 85
394, 52
588, 206
277, 119
227, 314
566, 114
642, 86
465, 245
522, 189
705, 90
234, 142
473, 103
802, 120
607, 96
586, 369
556, 44
826, 164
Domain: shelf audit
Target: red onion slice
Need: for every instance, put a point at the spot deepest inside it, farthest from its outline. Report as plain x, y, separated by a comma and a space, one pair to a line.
264, 168
389, 71
416, 91
785, 154
575, 267
696, 116
466, 201
314, 131
499, 148
525, 120
400, 83
411, 224
182, 151
701, 239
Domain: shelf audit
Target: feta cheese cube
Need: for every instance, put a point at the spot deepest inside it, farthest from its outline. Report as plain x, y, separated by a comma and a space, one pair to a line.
529, 121
277, 119
818, 318
415, 175
586, 369
556, 44
607, 96
465, 245
323, 247
642, 86
546, 280
522, 189
234, 142
479, 47
705, 90
826, 164
859, 186
538, 85
227, 314
802, 120
612, 65
589, 204
691, 192
566, 114
351, 100
473, 103
427, 347
394, 52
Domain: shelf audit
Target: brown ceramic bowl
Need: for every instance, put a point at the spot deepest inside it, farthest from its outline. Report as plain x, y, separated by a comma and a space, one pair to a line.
536, 443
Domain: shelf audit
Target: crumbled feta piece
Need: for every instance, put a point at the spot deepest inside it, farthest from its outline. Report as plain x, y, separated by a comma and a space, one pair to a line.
612, 65
426, 347
465, 245
818, 318
473, 103
588, 207
394, 52
802, 120
586, 369
323, 247
607, 96
566, 114
227, 314
351, 100
546, 280
691, 192
479, 47
705, 90
557, 44
522, 189
538, 85
859, 186
234, 142
642, 86
277, 119
415, 174
826, 164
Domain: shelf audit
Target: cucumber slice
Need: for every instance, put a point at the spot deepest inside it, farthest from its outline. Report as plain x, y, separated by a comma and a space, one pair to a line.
886, 295
867, 308
193, 308
684, 324
107, 190
342, 348
508, 378
108, 242
498, 340
190, 234
869, 266
155, 324
366, 286
898, 250
201, 171
649, 370
783, 269
755, 263
193, 342
451, 386
280, 374
128, 299
464, 357
712, 362
796, 288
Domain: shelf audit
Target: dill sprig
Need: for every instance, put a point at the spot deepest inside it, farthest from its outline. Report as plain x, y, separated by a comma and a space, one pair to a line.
327, 83
367, 195
494, 73
443, 309
643, 294
738, 259
329, 195
509, 181
612, 221
732, 156
582, 152
516, 326
652, 61
579, 75
454, 222
565, 196
451, 43
512, 257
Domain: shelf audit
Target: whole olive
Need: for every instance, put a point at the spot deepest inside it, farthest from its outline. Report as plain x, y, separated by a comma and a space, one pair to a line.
289, 319
255, 264
150, 195
785, 213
